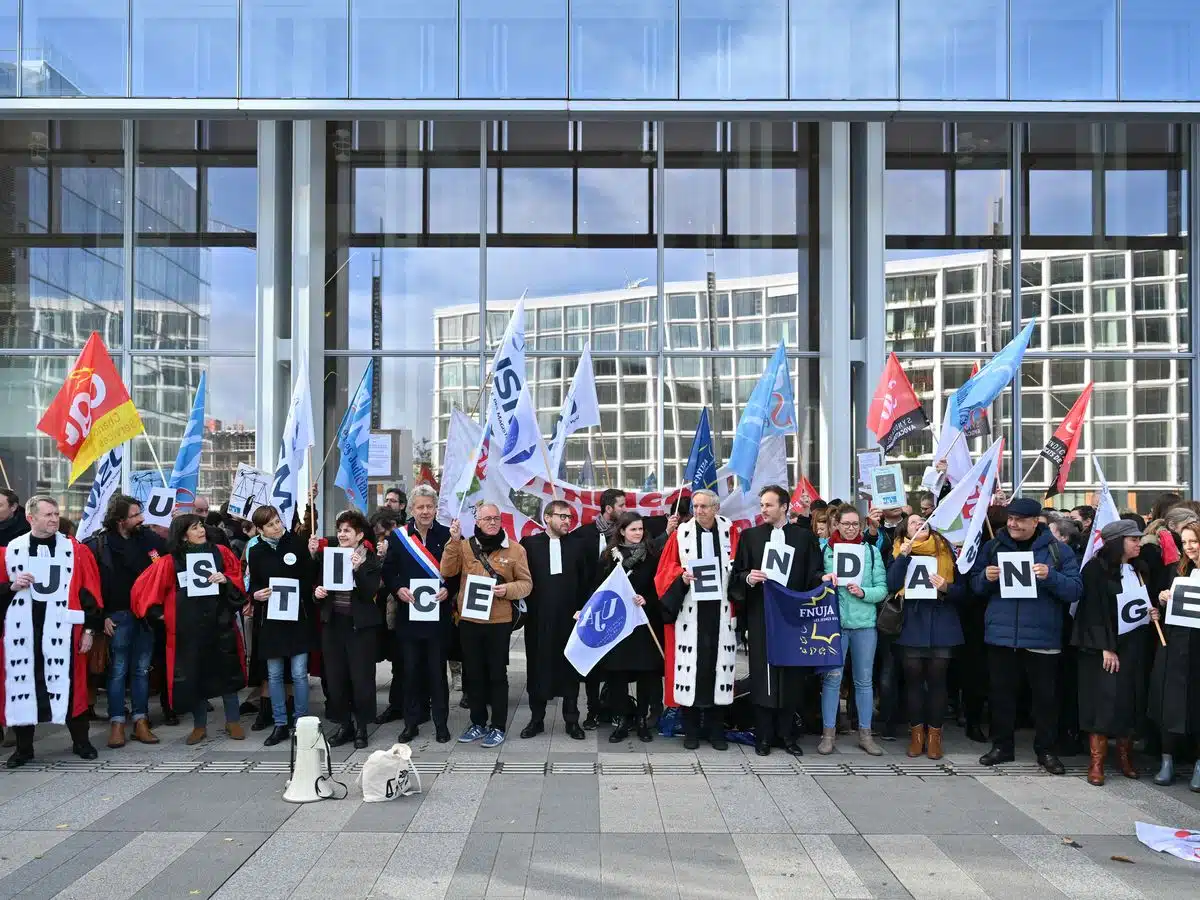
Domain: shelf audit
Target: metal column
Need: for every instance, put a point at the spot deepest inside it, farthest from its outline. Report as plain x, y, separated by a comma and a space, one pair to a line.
867, 252
1193, 244
835, 443
1016, 226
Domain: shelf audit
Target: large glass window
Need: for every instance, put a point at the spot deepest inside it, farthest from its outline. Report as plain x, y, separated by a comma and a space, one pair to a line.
843, 49
75, 48
1158, 50
1065, 50
953, 51
185, 50
294, 48
731, 50
9, 64
513, 48
623, 49
404, 48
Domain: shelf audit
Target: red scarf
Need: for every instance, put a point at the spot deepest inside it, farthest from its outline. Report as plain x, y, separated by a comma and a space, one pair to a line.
836, 538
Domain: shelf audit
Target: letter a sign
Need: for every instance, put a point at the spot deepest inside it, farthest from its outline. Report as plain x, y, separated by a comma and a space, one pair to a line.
918, 582
1016, 575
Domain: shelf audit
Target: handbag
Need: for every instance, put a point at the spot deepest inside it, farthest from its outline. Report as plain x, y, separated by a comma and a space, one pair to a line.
97, 657
890, 620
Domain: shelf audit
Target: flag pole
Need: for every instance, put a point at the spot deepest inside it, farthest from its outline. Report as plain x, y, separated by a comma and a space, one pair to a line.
1025, 477
604, 453
153, 455
658, 644
325, 461
546, 460
1161, 638
311, 479
4, 472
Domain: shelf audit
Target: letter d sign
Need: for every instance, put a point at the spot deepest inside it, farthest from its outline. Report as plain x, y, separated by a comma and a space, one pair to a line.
849, 560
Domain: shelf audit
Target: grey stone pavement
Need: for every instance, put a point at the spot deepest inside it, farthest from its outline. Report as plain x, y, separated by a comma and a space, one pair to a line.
556, 818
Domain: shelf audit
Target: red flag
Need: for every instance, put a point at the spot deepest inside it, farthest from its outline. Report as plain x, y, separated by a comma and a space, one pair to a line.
895, 410
803, 497
1060, 449
427, 477
978, 426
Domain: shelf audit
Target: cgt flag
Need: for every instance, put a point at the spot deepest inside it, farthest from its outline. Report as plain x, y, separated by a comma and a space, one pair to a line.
804, 496
895, 410
802, 628
1061, 448
92, 412
605, 620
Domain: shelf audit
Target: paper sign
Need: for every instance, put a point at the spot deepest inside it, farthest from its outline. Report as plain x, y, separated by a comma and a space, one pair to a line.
379, 456
284, 603
251, 489
555, 556
1017, 581
424, 607
707, 572
1183, 607
918, 581
478, 597
198, 567
867, 461
337, 569
1133, 603
887, 487
849, 562
933, 481
777, 561
159, 507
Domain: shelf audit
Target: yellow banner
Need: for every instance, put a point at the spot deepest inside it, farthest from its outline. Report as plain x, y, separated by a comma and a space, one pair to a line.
115, 427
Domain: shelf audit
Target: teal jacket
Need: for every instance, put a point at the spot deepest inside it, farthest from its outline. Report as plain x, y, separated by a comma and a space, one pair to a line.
856, 612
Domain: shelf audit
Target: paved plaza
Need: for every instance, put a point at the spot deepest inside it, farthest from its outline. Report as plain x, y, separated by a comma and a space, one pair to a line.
556, 818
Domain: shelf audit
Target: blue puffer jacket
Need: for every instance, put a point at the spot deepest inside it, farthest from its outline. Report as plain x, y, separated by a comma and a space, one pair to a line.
928, 623
1034, 624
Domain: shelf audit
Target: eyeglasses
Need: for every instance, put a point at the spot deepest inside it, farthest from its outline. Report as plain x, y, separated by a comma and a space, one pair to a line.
488, 519
850, 525
560, 515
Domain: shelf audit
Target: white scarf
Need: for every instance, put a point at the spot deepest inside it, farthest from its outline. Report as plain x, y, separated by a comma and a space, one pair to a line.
686, 652
58, 641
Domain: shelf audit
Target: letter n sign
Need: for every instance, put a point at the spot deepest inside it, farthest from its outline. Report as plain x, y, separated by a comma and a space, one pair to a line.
777, 562
284, 602
1017, 581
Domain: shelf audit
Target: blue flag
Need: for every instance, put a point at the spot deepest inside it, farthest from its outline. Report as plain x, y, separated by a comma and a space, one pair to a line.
701, 471
354, 442
803, 629
651, 482
770, 410
185, 477
973, 398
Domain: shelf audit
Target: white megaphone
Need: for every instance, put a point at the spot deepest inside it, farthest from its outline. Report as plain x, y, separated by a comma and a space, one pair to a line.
310, 762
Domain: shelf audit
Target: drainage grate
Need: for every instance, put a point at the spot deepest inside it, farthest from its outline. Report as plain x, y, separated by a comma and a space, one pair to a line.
668, 768
626, 769
573, 768
519, 768
472, 767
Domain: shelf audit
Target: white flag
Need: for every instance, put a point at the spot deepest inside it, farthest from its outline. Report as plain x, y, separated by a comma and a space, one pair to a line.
297, 439
1106, 514
964, 510
508, 375
521, 457
581, 408
463, 445
605, 620
108, 477
952, 447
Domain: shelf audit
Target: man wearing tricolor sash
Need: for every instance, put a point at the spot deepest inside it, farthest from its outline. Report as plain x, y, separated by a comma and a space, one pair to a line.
414, 555
51, 604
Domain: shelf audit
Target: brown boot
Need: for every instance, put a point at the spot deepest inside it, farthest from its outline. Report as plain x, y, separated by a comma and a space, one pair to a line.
1125, 757
142, 732
116, 735
916, 741
197, 735
933, 746
1097, 749
235, 731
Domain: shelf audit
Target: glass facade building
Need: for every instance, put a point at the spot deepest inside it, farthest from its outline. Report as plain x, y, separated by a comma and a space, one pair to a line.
229, 185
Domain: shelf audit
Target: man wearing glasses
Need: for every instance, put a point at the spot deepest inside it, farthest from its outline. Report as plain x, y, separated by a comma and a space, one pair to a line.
560, 570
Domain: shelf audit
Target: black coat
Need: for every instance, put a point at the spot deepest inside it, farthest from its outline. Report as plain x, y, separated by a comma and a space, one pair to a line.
552, 606
638, 653
588, 538
367, 578
274, 638
399, 568
776, 687
121, 561
1174, 703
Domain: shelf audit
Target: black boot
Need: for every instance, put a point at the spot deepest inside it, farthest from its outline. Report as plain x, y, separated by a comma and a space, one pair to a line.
409, 732
442, 735
620, 731
589, 722
533, 729
645, 735
343, 735
997, 755
360, 738
84, 749
716, 730
19, 758
170, 718
278, 735
975, 733
264, 719
390, 714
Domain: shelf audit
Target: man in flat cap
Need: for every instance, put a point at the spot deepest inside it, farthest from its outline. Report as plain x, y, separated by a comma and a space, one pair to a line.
1025, 634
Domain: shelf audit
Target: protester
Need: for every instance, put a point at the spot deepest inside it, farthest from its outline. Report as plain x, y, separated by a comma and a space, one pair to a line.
489, 554
857, 607
1084, 516
820, 527
205, 656
1174, 698
930, 634
123, 549
560, 569
283, 643
775, 691
59, 684
395, 500
1112, 684
638, 658
1025, 635
415, 552
1066, 531
13, 523
349, 639
383, 523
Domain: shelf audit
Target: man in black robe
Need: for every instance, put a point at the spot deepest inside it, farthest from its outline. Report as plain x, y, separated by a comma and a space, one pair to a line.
561, 586
776, 691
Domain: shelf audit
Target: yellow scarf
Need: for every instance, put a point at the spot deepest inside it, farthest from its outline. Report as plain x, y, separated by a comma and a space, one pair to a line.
932, 546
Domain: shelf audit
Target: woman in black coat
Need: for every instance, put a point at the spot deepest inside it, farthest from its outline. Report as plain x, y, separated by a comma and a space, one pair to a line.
1112, 685
279, 553
637, 658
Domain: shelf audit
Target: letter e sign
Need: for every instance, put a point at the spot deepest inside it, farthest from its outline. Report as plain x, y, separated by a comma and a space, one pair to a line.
478, 597
707, 573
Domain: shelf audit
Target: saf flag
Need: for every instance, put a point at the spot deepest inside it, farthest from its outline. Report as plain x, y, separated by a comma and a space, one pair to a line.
1061, 448
895, 410
92, 412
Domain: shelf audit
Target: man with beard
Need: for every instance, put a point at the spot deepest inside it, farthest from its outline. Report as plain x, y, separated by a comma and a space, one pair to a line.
559, 569
775, 691
702, 646
12, 517
51, 608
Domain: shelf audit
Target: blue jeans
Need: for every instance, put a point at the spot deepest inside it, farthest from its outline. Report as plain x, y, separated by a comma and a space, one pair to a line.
232, 710
130, 647
861, 643
279, 689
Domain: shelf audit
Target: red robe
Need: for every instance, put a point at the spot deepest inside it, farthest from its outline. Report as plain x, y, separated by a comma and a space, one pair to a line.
86, 574
158, 586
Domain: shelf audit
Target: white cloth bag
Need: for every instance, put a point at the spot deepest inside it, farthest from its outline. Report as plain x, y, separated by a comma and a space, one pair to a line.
388, 774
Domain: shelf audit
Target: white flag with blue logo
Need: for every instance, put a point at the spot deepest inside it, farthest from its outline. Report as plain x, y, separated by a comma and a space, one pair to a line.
508, 375
522, 456
605, 620
108, 478
580, 409
185, 477
354, 442
297, 439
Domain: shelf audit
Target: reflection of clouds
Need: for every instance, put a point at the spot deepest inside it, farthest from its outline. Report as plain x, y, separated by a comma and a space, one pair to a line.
733, 50
1060, 202
230, 388
623, 49
553, 271
955, 51
843, 48
914, 201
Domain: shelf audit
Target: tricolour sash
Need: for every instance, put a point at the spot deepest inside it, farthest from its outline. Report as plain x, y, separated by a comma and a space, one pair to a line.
419, 552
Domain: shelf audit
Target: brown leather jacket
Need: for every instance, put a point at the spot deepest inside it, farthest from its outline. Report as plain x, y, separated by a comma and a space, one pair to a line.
509, 562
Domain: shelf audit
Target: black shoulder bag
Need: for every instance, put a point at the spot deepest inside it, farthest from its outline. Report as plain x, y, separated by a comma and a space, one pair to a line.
518, 612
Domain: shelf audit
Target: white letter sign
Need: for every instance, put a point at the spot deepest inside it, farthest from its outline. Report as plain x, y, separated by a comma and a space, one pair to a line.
424, 608
849, 561
777, 561
338, 571
887, 487
1017, 581
1184, 606
918, 582
284, 603
477, 598
197, 567
707, 572
1133, 603
159, 507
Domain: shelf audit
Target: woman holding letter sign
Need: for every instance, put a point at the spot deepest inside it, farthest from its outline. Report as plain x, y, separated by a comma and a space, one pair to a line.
283, 626
1175, 681
857, 603
931, 629
205, 655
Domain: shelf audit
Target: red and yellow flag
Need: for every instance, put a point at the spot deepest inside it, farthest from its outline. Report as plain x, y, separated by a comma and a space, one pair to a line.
92, 412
